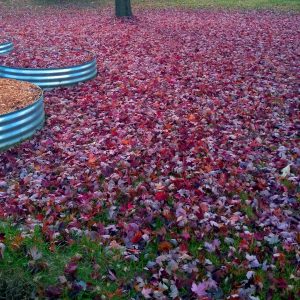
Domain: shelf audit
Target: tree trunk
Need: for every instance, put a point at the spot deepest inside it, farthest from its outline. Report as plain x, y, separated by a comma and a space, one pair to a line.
123, 8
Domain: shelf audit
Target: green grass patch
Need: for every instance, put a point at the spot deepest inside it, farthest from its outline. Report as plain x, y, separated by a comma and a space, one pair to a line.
228, 4
193, 4
22, 276
29, 266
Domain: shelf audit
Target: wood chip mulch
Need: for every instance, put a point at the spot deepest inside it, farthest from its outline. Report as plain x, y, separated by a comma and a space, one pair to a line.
15, 95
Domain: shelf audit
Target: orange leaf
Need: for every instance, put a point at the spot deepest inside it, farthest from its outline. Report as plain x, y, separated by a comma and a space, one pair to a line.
168, 126
192, 118
137, 237
92, 160
17, 242
164, 246
126, 142
114, 294
208, 168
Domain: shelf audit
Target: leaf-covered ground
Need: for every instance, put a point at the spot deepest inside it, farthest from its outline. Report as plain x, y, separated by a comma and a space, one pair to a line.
174, 173
45, 58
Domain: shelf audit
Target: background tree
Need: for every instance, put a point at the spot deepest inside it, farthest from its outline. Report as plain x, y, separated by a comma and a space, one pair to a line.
123, 8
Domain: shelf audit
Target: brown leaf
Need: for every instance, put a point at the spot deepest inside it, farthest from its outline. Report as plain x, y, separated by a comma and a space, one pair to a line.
165, 246
17, 242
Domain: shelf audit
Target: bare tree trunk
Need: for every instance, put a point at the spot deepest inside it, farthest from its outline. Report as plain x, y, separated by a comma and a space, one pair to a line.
123, 8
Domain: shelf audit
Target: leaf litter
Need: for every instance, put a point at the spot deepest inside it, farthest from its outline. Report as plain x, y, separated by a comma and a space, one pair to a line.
187, 139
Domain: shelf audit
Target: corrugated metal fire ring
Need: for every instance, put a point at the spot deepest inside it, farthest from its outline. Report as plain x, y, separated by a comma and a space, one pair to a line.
6, 47
19, 125
52, 77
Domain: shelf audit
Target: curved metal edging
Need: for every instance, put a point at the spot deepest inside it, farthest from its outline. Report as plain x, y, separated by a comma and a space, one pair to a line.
6, 47
50, 78
19, 125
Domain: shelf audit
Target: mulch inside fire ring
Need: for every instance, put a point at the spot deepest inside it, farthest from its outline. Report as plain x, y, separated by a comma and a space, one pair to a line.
15, 95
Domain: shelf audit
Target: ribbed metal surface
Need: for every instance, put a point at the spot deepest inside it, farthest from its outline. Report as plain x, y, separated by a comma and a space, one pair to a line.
50, 78
6, 47
21, 124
